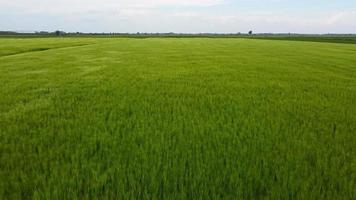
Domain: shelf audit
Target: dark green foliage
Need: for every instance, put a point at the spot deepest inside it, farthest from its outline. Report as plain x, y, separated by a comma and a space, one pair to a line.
312, 38
329, 38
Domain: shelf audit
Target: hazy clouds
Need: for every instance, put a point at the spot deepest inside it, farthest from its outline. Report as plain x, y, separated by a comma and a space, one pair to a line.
313, 16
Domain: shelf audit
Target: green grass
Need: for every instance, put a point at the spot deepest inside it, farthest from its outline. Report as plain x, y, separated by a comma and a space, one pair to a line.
310, 38
177, 119
336, 38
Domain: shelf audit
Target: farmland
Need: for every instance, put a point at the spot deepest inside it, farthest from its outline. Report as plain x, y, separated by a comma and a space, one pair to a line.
177, 118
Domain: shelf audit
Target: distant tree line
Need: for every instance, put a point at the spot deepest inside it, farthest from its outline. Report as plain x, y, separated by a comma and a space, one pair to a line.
63, 33
59, 33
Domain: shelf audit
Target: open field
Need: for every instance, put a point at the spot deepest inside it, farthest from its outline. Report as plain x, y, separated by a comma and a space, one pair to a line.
87, 118
329, 38
310, 38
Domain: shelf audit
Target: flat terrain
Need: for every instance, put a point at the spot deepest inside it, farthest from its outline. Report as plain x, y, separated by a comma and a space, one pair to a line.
87, 118
310, 38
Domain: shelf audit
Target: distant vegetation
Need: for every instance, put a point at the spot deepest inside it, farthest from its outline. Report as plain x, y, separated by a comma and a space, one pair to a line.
331, 38
347, 39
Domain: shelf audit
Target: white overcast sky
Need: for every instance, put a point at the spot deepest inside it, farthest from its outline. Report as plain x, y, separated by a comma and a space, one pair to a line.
185, 16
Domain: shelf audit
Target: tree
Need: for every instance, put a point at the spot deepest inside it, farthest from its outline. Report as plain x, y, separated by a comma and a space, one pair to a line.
58, 33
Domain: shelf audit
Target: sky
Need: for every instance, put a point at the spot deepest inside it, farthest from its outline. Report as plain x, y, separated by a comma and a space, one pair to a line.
180, 16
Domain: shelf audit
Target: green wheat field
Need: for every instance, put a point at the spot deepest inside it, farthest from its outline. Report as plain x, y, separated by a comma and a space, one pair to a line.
177, 118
